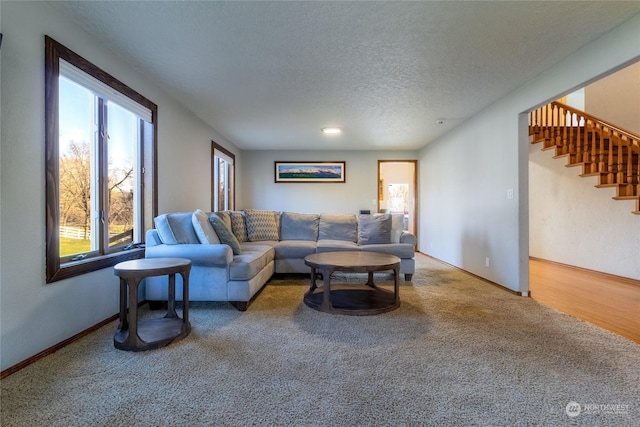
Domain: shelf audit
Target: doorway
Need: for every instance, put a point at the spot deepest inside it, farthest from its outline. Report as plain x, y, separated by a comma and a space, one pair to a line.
397, 190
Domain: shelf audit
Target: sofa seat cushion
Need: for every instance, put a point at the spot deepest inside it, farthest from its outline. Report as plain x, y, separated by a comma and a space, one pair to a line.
255, 246
336, 246
288, 249
250, 262
401, 250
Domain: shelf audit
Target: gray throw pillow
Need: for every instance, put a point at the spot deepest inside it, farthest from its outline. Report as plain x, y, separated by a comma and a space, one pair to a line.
374, 229
224, 234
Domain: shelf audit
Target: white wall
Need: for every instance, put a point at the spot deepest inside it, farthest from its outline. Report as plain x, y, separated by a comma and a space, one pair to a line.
35, 315
465, 215
360, 191
616, 98
574, 223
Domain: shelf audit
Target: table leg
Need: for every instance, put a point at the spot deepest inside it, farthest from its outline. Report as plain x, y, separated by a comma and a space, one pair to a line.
312, 280
396, 284
132, 338
370, 280
171, 303
326, 290
185, 298
123, 324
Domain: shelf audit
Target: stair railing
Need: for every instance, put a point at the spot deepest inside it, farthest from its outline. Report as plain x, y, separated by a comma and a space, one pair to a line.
604, 149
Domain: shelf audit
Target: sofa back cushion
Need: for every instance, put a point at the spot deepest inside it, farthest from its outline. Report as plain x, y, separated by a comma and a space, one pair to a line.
176, 228
203, 228
374, 229
261, 225
298, 226
338, 227
397, 226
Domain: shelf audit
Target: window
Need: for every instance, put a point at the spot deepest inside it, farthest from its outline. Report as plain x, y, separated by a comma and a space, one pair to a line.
223, 179
100, 166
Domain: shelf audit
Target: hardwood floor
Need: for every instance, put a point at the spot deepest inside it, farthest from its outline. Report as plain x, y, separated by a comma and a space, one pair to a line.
611, 302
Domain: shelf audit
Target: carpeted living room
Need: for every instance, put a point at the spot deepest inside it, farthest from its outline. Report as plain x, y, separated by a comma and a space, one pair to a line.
458, 351
227, 105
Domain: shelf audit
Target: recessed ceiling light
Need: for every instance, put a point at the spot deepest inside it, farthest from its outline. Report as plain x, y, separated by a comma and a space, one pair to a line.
331, 131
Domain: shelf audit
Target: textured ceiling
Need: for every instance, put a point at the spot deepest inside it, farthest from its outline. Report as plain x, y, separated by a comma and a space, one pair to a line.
269, 75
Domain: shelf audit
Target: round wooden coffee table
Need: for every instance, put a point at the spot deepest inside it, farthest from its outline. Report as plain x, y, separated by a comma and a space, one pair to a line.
134, 335
356, 300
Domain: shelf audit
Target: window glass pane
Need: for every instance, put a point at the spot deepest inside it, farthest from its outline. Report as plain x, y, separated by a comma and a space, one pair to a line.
230, 186
77, 124
222, 184
122, 174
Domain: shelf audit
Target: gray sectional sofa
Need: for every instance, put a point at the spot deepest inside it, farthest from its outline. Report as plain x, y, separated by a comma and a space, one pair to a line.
235, 253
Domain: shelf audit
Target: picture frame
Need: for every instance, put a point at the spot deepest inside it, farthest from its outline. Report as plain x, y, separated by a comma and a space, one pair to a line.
309, 172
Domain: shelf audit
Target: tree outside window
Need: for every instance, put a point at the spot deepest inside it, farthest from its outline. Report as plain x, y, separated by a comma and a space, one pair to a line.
100, 166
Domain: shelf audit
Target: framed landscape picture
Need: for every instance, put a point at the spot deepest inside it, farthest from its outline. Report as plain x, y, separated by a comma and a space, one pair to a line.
310, 172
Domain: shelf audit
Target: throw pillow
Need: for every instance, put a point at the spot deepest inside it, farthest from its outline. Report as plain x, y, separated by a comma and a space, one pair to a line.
297, 226
261, 225
224, 234
175, 228
238, 226
374, 229
225, 216
203, 228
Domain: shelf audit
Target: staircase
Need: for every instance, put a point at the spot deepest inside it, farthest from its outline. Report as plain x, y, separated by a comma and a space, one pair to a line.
603, 150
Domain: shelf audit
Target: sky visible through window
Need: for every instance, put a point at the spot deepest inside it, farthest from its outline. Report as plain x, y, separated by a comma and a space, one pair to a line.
79, 124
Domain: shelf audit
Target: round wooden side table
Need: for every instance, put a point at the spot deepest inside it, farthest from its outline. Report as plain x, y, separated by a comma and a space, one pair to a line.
148, 334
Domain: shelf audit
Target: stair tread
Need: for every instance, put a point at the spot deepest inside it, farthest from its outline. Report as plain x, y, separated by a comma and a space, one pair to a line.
593, 148
574, 164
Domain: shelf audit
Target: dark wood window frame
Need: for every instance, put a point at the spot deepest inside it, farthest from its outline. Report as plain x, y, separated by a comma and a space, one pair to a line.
55, 269
215, 146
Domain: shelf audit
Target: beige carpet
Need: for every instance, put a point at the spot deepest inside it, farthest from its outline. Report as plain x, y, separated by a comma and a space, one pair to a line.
458, 351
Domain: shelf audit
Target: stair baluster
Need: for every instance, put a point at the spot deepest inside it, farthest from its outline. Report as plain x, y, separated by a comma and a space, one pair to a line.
621, 176
576, 120
605, 150
610, 165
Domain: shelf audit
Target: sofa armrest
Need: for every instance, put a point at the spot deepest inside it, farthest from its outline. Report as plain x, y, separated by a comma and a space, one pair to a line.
152, 238
202, 255
407, 237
